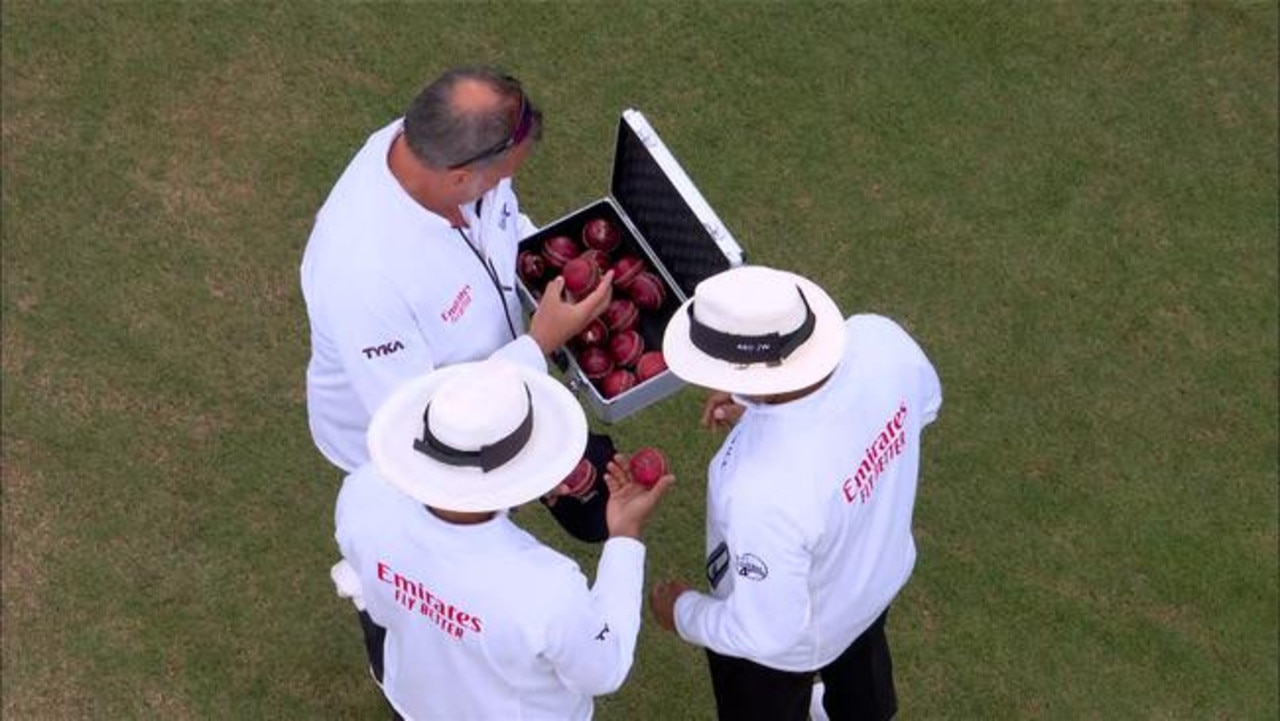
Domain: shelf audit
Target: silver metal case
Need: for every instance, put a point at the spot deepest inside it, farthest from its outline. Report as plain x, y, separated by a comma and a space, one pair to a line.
664, 219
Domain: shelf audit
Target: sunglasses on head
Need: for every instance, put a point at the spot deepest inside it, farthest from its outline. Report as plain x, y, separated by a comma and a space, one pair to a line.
524, 124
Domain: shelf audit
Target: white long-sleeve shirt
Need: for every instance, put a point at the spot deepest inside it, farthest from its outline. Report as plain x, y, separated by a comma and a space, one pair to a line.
809, 508
393, 290
483, 622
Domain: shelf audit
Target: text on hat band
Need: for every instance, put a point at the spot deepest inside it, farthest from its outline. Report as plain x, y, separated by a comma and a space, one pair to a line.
770, 348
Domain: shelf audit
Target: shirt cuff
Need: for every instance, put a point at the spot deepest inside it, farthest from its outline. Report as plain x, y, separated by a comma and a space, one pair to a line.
347, 583
619, 589
688, 607
619, 582
525, 351
622, 558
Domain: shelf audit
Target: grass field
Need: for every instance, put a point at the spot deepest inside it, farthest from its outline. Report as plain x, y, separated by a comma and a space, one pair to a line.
1072, 205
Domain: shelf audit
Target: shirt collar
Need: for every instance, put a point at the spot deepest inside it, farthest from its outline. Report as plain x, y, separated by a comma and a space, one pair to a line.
798, 405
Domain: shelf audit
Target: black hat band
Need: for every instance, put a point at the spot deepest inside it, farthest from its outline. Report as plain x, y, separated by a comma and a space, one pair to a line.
488, 457
771, 348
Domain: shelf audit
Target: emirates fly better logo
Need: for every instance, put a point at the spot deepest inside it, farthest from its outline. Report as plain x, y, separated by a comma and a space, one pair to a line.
887, 446
458, 307
415, 597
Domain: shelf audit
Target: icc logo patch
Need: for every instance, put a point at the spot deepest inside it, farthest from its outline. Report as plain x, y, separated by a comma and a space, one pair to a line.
752, 567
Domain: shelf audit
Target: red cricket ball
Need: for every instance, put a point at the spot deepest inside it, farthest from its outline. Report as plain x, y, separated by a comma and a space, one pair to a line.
626, 269
600, 234
620, 315
581, 276
619, 381
647, 291
560, 249
626, 348
647, 466
580, 480
595, 362
651, 363
594, 334
531, 267
599, 257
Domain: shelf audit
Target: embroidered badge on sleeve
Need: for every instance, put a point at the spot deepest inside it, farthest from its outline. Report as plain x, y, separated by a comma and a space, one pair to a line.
752, 567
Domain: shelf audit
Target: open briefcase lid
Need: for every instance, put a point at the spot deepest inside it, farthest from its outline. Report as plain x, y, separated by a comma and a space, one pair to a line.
660, 200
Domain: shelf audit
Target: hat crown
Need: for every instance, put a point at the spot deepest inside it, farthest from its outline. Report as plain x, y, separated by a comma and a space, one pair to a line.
749, 301
476, 409
755, 330
498, 434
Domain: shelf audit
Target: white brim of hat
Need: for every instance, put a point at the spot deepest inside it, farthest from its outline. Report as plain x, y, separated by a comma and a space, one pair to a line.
808, 364
556, 444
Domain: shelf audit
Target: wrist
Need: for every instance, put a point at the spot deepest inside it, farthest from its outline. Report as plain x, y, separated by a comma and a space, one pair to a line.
546, 345
633, 532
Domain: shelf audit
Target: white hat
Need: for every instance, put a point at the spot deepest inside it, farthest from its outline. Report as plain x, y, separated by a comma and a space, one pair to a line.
482, 436
754, 330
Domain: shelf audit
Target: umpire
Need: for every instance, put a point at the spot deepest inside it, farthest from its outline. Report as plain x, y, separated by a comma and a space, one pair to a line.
809, 499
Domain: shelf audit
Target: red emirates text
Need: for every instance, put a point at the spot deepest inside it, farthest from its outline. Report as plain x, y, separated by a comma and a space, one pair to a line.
887, 446
415, 596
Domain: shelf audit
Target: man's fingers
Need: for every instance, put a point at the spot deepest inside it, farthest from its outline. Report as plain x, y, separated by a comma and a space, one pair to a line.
662, 485
598, 299
711, 406
617, 469
612, 482
554, 287
720, 411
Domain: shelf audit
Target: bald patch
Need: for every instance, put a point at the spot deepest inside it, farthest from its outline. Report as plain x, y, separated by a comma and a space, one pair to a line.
472, 97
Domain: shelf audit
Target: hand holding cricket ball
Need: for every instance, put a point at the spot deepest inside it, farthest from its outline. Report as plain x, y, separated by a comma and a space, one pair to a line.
634, 490
567, 271
644, 464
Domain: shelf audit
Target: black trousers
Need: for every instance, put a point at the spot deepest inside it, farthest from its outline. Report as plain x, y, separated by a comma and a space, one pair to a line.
374, 638
859, 685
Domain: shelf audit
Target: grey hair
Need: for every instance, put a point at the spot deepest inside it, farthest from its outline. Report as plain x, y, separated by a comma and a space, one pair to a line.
442, 135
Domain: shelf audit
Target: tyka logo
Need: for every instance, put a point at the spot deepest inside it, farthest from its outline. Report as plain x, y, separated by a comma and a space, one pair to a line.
377, 351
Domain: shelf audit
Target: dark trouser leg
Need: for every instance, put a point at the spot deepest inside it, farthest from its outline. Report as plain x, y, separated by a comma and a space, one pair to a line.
374, 638
859, 683
747, 691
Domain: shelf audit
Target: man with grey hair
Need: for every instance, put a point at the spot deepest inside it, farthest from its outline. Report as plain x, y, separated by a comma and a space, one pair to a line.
411, 266
411, 262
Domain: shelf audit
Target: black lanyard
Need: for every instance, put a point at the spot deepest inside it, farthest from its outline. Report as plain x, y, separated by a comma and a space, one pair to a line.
493, 278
